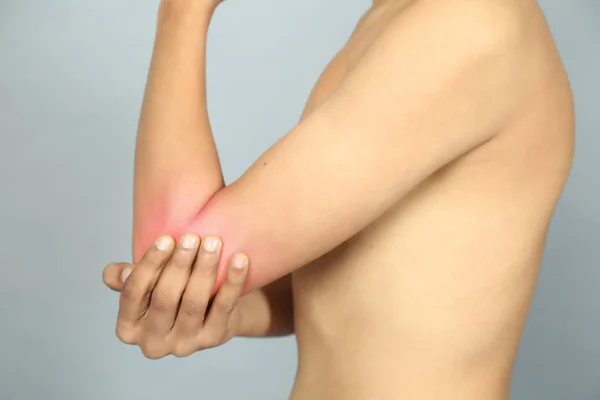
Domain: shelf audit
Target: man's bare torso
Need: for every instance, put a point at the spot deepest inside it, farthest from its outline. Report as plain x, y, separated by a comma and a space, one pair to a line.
429, 301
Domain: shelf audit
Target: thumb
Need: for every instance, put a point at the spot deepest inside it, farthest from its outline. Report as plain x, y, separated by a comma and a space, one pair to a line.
115, 274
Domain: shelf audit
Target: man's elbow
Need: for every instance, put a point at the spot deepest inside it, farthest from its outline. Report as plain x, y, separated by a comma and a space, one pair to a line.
174, 217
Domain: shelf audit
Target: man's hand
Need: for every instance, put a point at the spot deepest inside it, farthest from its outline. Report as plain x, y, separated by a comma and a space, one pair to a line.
176, 5
165, 306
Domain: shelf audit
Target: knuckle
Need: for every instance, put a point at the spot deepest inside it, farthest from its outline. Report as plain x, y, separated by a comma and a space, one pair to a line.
126, 334
153, 351
136, 286
225, 307
129, 287
182, 350
211, 339
193, 308
152, 355
179, 264
162, 301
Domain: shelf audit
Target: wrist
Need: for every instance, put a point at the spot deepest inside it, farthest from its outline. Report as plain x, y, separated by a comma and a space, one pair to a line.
186, 9
247, 317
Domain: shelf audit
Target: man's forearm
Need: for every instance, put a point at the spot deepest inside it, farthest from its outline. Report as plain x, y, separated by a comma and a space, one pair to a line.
177, 168
267, 312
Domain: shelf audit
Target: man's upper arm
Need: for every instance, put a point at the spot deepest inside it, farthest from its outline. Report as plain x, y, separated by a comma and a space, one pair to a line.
425, 93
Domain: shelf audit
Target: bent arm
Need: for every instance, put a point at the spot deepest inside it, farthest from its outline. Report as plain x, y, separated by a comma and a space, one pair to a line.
177, 168
431, 89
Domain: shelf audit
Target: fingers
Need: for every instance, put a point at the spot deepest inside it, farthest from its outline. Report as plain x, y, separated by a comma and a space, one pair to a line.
167, 293
199, 288
113, 275
136, 290
224, 304
165, 298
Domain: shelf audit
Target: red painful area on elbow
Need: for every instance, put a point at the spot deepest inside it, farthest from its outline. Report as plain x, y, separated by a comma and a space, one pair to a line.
165, 210
164, 217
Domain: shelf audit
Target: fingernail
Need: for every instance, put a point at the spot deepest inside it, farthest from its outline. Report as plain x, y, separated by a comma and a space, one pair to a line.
125, 274
189, 241
210, 244
239, 261
163, 243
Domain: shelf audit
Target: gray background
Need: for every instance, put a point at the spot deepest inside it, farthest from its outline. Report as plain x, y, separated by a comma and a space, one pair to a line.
71, 80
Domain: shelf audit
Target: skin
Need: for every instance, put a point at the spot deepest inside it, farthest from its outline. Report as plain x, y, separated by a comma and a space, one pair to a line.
400, 223
166, 302
148, 318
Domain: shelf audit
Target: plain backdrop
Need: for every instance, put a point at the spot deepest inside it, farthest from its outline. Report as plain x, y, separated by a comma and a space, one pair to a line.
72, 75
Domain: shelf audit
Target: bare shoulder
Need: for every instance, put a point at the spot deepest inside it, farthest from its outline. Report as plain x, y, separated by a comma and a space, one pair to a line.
481, 65
479, 24
502, 50
468, 29
455, 37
